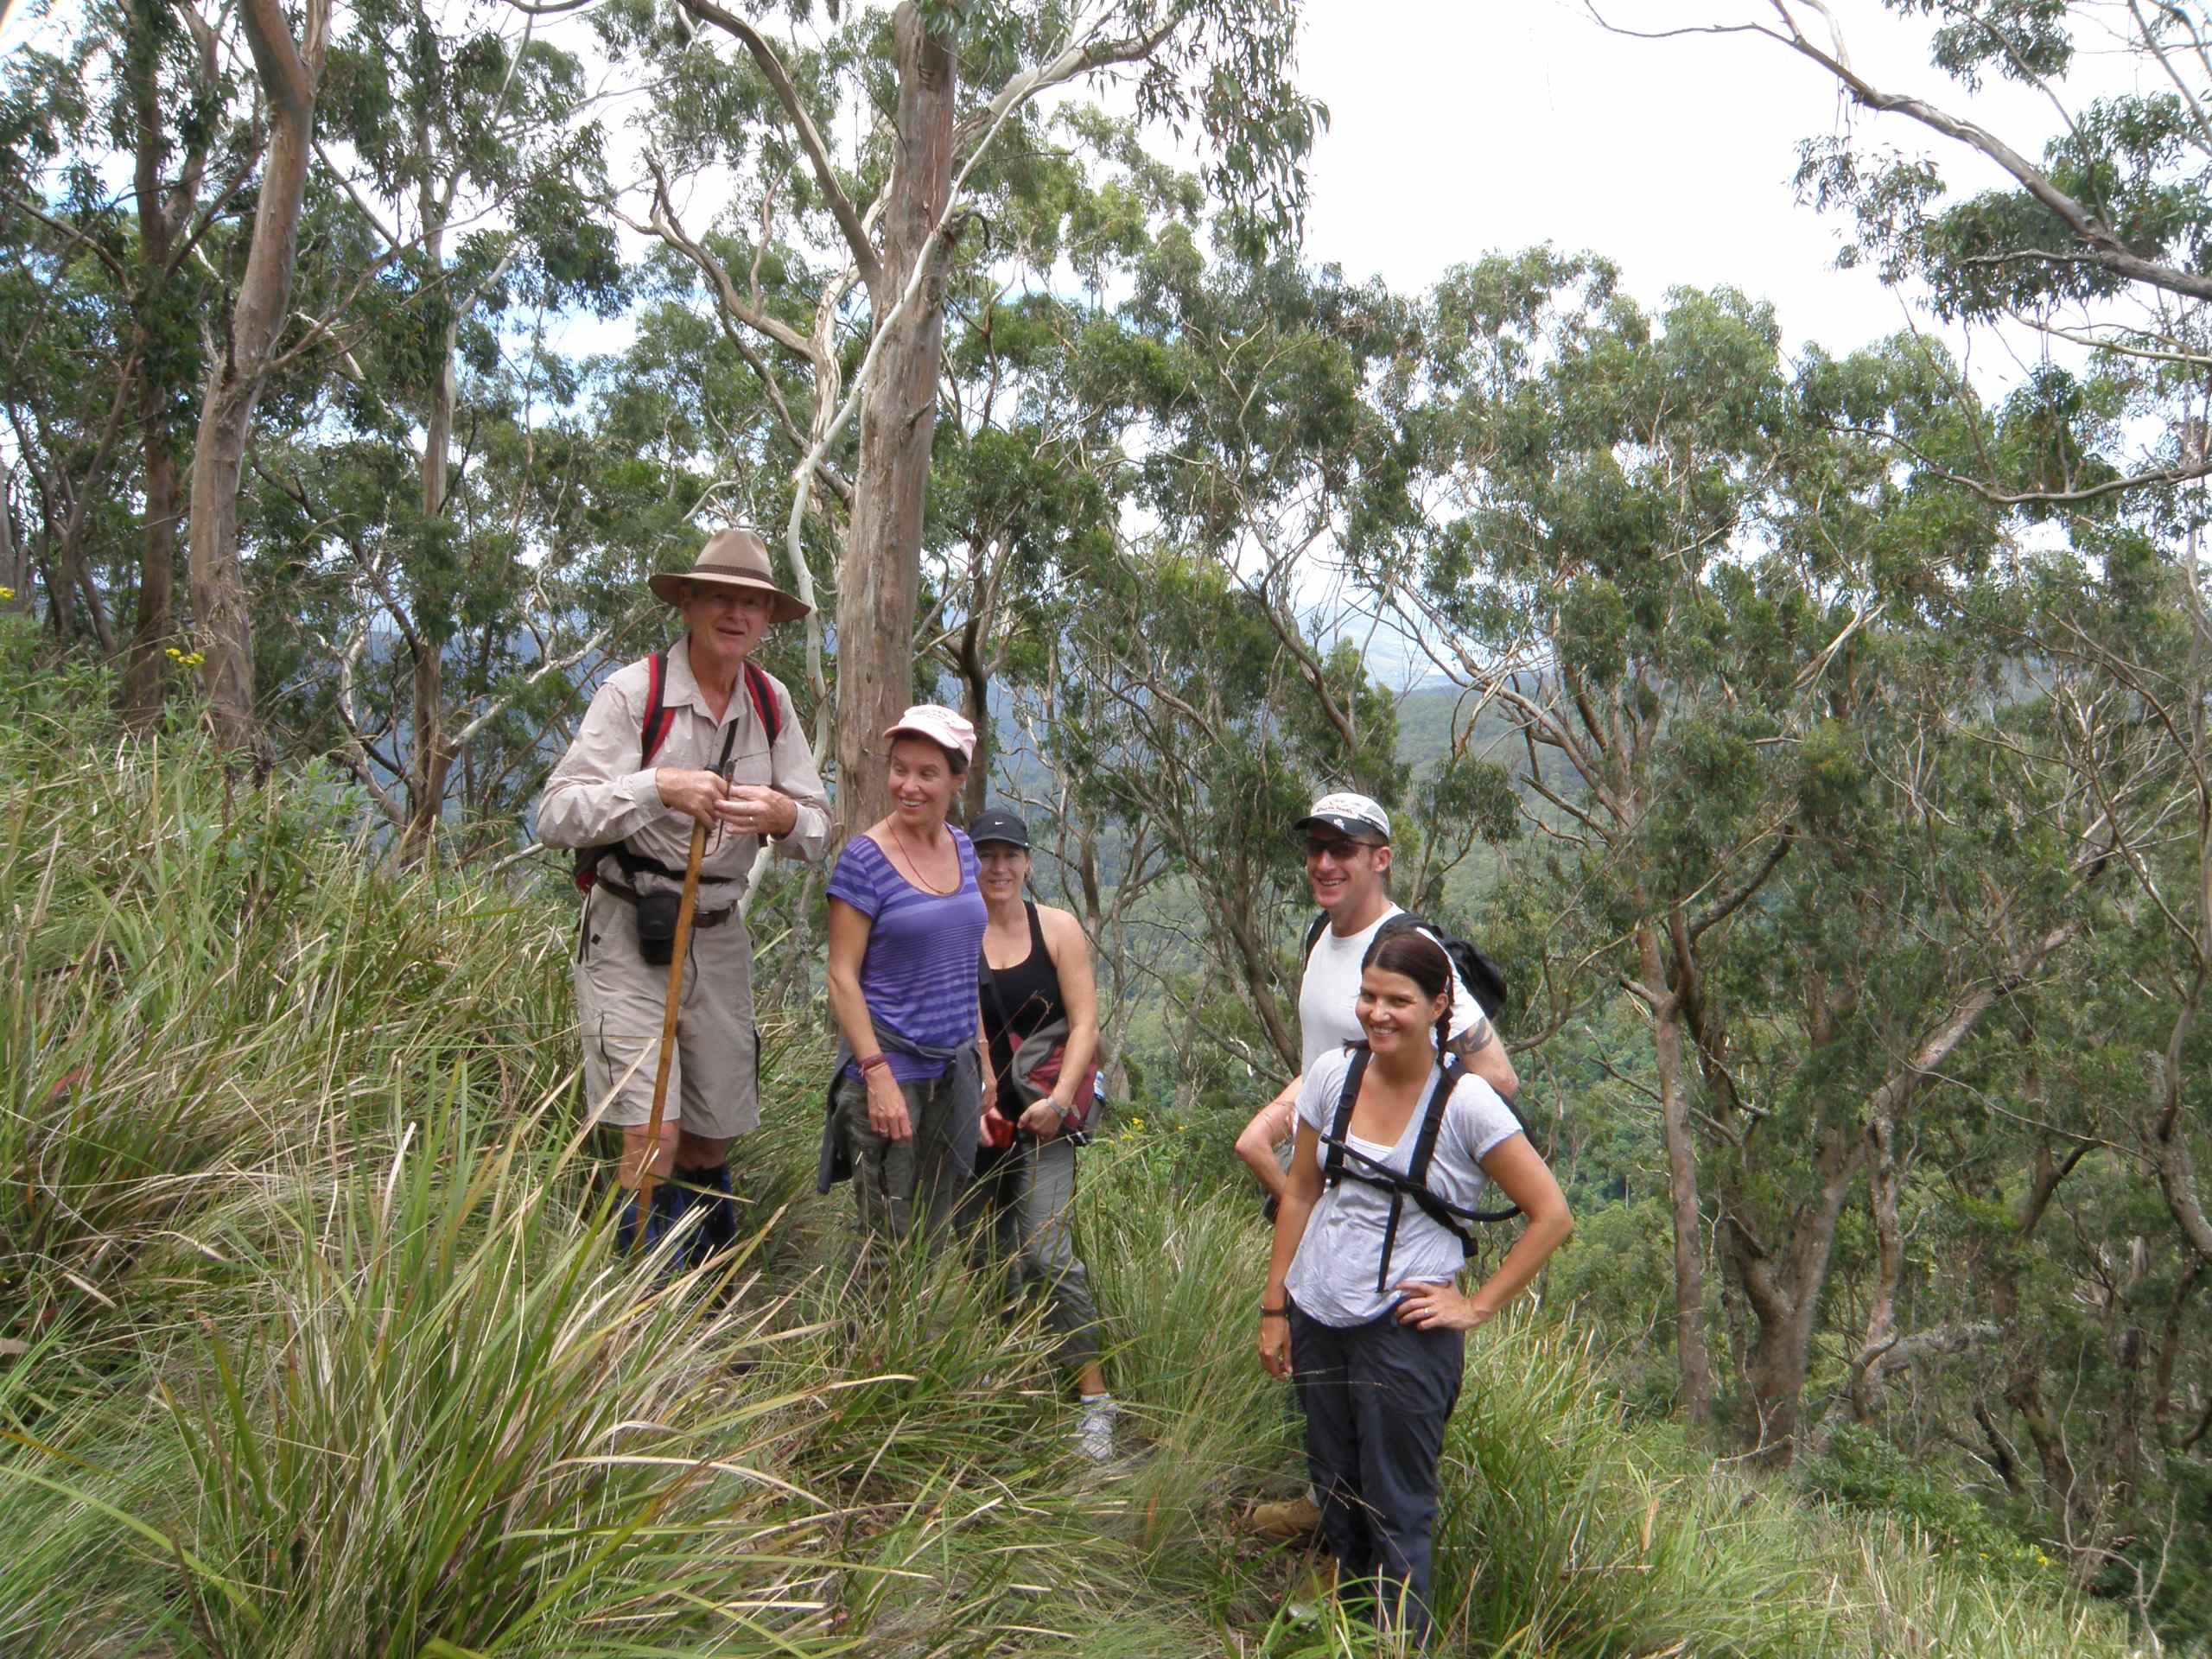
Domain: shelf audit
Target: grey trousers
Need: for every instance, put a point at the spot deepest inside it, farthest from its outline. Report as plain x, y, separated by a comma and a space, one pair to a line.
899, 1187
1027, 1196
1377, 1398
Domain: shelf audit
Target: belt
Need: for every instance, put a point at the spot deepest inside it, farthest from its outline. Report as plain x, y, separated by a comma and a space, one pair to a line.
699, 917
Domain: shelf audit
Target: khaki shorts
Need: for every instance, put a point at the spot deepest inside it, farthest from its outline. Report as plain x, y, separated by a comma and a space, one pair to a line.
714, 1083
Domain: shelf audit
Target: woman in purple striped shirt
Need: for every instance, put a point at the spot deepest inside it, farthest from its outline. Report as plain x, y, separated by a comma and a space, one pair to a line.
905, 936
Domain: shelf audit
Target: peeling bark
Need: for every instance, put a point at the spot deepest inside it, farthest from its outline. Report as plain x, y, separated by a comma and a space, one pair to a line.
1881, 1339
289, 72
431, 755
1693, 1354
143, 680
880, 574
1785, 1293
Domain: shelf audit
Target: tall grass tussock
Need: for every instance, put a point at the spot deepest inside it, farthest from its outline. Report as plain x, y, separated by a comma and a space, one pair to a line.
315, 1343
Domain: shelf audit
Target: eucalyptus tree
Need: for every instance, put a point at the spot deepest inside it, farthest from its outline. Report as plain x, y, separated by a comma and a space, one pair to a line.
536, 530
287, 67
881, 218
1030, 471
1207, 689
1020, 514
136, 88
1580, 473
1182, 719
1670, 564
64, 382
463, 162
2114, 624
171, 109
2098, 235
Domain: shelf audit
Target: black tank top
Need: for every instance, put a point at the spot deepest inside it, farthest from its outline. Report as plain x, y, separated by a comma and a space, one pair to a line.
1027, 996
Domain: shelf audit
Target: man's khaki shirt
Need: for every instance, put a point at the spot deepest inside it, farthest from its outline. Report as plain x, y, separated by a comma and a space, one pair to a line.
599, 794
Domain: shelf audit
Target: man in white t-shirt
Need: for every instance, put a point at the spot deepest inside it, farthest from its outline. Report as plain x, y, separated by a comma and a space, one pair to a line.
1348, 866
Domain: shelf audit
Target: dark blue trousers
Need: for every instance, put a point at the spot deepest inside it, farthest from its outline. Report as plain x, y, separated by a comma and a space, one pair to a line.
1377, 1398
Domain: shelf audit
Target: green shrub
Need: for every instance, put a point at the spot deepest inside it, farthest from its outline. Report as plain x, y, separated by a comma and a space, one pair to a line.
1864, 1474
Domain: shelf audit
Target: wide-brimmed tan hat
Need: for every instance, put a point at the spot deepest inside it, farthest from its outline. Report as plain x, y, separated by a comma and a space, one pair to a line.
736, 558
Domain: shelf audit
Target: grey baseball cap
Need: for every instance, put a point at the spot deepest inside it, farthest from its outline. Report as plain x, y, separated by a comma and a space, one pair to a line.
1347, 814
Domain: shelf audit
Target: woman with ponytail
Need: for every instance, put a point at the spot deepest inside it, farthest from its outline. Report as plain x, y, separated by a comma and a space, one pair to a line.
1362, 1305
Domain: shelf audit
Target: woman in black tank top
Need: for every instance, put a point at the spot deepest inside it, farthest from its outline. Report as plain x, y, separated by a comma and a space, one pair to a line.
1040, 1014
1021, 998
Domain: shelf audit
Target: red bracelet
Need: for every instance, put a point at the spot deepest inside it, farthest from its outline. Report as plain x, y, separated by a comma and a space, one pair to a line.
871, 1063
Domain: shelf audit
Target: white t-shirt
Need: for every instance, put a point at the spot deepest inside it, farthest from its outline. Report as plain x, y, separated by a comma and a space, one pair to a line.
1332, 1276
1328, 996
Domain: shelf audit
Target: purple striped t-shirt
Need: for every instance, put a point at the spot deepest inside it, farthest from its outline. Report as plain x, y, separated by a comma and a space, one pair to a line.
918, 974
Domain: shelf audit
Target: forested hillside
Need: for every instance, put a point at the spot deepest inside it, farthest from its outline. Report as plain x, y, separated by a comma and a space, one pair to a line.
317, 1345
1816, 733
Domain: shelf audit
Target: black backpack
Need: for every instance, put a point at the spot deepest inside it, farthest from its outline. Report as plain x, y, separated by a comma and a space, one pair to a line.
1477, 971
652, 734
1414, 1183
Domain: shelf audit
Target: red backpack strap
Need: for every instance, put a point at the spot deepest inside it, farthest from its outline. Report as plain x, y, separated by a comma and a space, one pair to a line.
762, 690
659, 718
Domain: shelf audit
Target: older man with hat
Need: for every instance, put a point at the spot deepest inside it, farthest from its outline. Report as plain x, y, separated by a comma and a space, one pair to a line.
694, 734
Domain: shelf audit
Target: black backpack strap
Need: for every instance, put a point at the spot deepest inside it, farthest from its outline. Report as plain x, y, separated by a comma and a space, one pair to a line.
1425, 1151
1417, 1176
1332, 1165
1432, 1123
1312, 933
990, 979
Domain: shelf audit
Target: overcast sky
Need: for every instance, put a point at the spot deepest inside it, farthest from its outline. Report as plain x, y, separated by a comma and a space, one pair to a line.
1458, 127
1463, 127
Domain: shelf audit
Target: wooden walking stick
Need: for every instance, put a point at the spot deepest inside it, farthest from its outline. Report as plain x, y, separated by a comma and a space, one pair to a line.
681, 948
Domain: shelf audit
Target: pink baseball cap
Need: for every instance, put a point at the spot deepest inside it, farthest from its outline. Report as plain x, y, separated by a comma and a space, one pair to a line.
946, 727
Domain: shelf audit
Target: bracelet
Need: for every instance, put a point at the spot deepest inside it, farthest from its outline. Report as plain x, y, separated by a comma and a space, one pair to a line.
872, 1062
1266, 1313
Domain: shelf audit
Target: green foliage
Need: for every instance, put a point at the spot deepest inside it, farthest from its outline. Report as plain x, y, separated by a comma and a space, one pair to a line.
1864, 1472
331, 1341
1767, 685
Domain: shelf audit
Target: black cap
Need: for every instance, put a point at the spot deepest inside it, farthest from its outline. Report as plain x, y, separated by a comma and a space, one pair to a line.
997, 825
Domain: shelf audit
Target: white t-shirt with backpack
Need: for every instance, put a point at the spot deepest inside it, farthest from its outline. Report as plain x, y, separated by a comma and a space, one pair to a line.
1332, 1277
1328, 996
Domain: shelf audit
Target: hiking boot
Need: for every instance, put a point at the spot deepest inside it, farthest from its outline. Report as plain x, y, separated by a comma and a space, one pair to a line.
708, 1190
1094, 1435
1292, 1518
1313, 1589
670, 1202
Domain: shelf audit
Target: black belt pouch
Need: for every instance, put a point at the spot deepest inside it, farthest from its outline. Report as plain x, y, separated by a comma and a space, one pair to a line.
656, 926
